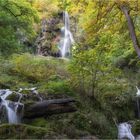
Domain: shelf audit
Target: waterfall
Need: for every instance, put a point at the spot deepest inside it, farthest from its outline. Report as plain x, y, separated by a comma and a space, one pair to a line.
14, 109
66, 37
11, 107
12, 116
138, 100
124, 131
138, 107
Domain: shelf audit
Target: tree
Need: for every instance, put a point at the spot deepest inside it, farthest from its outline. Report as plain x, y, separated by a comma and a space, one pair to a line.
104, 40
125, 8
16, 24
97, 17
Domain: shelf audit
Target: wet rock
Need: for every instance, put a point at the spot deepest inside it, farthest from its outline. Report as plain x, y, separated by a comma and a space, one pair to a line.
136, 127
3, 115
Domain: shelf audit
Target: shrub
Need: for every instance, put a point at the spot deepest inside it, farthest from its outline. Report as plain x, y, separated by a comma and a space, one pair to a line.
56, 87
34, 68
26, 70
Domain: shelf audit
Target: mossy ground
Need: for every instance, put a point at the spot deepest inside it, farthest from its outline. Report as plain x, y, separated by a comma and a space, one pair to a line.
23, 131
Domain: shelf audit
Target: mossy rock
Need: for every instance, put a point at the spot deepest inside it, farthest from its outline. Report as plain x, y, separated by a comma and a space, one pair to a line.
3, 115
13, 97
136, 127
31, 97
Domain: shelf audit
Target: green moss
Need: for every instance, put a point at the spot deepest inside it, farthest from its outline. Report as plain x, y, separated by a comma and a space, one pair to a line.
22, 131
59, 87
13, 97
42, 122
55, 49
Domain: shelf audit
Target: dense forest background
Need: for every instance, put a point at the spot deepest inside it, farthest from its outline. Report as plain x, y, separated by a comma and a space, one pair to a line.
101, 74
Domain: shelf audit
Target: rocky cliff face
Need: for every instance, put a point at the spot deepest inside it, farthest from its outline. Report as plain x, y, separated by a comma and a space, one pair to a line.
49, 36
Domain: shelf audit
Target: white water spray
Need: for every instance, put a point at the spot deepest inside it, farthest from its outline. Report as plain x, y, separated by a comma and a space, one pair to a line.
124, 131
67, 37
14, 110
11, 107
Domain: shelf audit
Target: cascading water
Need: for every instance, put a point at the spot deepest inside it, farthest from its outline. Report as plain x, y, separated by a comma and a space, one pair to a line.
11, 107
124, 131
137, 101
14, 110
66, 37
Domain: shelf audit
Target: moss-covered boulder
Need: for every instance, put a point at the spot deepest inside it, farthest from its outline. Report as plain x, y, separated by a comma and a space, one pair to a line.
13, 97
136, 127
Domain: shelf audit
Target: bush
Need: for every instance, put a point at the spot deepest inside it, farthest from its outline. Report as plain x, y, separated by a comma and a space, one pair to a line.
37, 68
56, 87
34, 68
117, 101
96, 123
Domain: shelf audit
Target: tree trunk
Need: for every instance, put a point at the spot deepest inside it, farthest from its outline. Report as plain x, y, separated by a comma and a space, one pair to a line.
49, 107
131, 29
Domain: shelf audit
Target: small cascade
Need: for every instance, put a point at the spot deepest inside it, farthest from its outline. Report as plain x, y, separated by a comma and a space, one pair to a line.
34, 91
11, 107
14, 109
19, 105
138, 107
138, 101
66, 37
12, 116
124, 131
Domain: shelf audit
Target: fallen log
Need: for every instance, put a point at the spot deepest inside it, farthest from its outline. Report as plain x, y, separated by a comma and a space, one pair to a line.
49, 107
